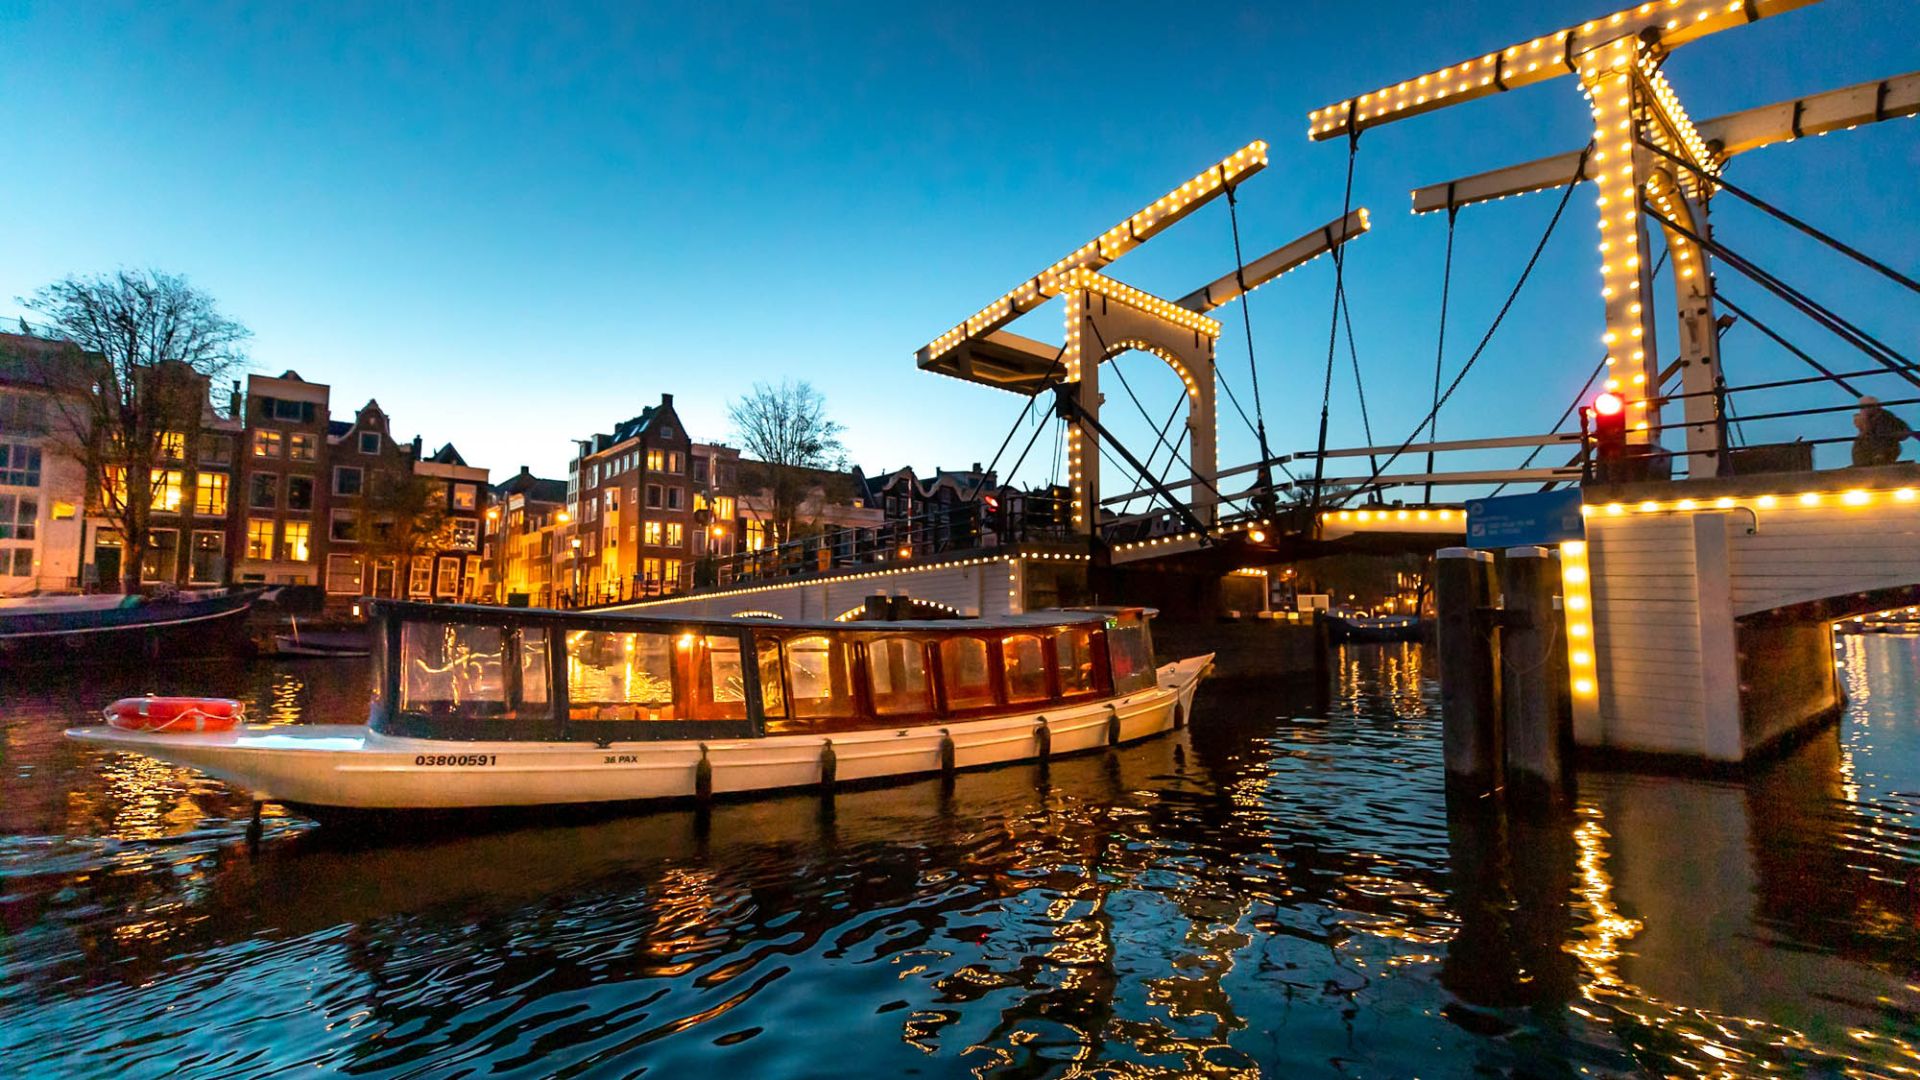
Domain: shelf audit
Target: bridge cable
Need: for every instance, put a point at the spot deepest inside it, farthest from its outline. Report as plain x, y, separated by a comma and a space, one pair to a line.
1160, 438
1440, 347
1359, 387
1873, 347
1022, 460
1533, 260
1578, 398
1265, 476
1746, 315
1333, 330
1778, 214
1017, 421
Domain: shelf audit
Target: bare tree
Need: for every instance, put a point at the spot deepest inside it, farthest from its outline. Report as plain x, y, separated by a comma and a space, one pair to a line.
786, 428
403, 516
136, 353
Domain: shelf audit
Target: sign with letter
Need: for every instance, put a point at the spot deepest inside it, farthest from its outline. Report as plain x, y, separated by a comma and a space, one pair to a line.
1546, 519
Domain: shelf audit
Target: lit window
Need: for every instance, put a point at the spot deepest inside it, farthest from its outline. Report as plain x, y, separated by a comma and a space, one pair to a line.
963, 666
653, 533
294, 540
466, 535
266, 444
817, 672
259, 538
1026, 665
897, 675
464, 497
676, 534
167, 493
656, 460
1073, 653
448, 582
173, 446
670, 573
723, 508
300, 446
210, 494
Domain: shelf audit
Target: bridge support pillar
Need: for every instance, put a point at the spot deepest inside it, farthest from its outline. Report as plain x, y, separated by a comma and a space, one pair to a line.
1533, 678
1464, 590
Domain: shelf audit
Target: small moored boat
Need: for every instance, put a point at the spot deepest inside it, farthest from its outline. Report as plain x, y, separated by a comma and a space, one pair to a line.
479, 707
98, 629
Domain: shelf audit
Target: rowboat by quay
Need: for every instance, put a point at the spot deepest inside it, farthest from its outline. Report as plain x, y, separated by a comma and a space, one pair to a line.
485, 707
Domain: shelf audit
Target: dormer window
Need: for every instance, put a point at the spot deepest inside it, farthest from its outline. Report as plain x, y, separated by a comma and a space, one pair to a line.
369, 442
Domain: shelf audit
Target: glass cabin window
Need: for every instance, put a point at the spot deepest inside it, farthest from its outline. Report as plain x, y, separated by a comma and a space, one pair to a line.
1130, 654
773, 694
1026, 667
452, 669
620, 676
817, 676
1073, 655
963, 667
722, 691
897, 676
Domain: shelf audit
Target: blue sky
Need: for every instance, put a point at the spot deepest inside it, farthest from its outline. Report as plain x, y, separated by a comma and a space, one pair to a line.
514, 226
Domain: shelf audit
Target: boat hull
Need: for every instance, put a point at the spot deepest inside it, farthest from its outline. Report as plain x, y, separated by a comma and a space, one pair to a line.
350, 767
214, 627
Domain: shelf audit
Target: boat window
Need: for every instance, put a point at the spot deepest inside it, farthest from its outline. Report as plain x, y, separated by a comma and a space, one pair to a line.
817, 677
963, 667
620, 676
1073, 654
721, 693
773, 695
897, 675
1026, 665
533, 666
452, 669
1130, 654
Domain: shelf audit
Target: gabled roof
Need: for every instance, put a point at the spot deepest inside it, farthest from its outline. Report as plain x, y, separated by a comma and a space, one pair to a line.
337, 429
447, 455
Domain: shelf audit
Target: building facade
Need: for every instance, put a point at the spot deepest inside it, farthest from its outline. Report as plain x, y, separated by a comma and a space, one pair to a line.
526, 535
43, 492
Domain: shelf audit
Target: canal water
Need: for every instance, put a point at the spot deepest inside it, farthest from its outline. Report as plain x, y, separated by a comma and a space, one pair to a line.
1279, 890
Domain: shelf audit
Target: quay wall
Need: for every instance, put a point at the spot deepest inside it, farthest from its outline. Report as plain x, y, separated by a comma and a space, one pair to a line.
983, 586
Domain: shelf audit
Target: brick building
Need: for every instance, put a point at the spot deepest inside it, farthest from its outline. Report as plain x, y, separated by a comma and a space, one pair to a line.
526, 536
309, 515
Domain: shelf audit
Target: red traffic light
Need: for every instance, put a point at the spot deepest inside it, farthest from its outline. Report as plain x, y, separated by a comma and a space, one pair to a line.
992, 502
1608, 404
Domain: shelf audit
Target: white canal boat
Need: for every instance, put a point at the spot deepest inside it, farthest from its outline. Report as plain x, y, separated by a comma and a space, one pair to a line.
467, 710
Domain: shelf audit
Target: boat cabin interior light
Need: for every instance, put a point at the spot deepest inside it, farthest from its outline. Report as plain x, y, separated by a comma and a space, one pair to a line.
474, 673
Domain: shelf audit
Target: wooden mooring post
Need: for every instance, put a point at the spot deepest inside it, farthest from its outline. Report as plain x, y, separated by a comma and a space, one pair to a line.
1533, 677
1464, 591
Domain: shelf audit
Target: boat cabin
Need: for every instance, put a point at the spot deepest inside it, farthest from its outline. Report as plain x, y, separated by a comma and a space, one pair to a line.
462, 672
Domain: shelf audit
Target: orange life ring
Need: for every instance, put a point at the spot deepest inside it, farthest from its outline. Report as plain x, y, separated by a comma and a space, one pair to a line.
175, 714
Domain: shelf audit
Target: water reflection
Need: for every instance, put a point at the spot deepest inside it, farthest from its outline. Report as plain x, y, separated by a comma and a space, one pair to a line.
1281, 888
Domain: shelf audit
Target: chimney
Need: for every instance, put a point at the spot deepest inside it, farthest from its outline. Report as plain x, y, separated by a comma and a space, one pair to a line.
666, 401
976, 466
416, 448
235, 402
524, 471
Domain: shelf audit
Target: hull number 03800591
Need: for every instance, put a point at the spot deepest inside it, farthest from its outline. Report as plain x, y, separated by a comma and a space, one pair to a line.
456, 759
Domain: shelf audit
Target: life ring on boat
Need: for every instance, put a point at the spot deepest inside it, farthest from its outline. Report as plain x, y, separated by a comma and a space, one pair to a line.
175, 714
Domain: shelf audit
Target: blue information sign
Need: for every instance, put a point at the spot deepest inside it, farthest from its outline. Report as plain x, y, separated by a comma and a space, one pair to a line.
1520, 520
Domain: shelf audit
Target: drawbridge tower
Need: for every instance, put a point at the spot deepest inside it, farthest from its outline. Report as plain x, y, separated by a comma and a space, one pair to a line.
1646, 151
1106, 318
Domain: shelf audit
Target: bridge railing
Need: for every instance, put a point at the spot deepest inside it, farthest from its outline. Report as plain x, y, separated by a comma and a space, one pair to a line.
943, 532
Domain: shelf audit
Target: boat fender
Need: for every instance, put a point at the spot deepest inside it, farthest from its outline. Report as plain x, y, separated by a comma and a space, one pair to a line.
703, 776
947, 754
1044, 736
829, 764
1113, 726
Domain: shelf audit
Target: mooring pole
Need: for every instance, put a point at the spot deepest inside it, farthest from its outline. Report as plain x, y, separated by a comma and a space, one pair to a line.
1536, 738
1464, 589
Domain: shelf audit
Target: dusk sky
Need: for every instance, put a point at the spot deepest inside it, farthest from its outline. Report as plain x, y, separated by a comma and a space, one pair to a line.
515, 227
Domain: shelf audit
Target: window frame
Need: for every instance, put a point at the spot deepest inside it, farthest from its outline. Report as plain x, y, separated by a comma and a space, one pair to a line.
360, 481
